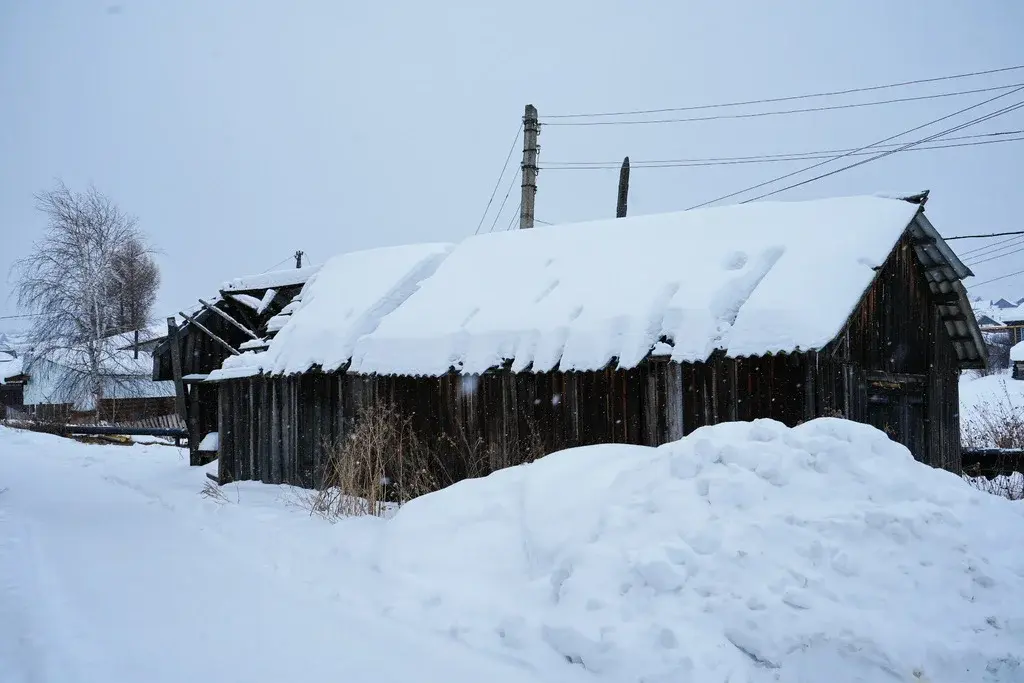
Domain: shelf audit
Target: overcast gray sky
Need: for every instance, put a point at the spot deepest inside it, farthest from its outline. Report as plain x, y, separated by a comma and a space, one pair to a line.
239, 131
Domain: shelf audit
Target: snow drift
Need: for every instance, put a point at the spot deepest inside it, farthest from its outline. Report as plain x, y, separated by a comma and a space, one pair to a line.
744, 552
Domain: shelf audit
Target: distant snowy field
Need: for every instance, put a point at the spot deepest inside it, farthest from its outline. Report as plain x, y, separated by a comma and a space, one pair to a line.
747, 552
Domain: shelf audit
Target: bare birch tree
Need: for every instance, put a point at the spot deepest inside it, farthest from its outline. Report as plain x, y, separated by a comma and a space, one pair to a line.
90, 277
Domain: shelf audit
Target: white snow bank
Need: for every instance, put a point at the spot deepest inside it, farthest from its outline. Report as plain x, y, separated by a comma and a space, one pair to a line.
751, 279
745, 552
343, 301
1017, 352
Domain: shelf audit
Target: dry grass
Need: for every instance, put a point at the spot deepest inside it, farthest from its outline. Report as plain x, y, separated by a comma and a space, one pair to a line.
996, 423
214, 492
381, 465
384, 463
1011, 487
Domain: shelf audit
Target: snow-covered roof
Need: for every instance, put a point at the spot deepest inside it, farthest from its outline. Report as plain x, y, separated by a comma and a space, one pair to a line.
998, 312
10, 366
749, 279
275, 278
342, 302
752, 279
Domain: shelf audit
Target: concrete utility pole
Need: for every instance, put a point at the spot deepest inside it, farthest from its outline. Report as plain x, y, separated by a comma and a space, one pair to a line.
620, 207
298, 259
531, 128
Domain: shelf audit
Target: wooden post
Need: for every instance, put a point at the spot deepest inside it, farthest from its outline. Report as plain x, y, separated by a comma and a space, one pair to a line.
194, 437
531, 128
620, 207
179, 385
136, 344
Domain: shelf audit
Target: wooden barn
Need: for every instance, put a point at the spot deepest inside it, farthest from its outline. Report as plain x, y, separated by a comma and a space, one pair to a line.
240, 318
635, 330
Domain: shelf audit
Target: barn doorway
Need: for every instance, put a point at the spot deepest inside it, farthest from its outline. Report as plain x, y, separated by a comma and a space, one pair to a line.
896, 405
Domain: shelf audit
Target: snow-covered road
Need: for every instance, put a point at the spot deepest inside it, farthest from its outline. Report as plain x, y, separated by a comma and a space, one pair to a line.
746, 553
104, 579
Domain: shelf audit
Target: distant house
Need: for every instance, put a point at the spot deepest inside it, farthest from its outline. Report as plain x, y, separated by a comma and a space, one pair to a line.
12, 383
636, 330
241, 317
55, 384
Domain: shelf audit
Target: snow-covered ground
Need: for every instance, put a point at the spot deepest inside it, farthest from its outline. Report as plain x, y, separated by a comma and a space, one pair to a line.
746, 552
977, 392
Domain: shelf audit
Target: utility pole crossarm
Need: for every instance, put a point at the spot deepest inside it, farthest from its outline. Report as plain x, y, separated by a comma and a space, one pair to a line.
531, 128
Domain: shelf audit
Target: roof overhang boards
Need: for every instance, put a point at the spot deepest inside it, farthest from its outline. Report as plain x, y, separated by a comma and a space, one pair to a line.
945, 273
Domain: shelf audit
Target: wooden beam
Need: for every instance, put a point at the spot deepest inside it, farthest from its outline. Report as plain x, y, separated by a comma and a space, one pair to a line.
946, 298
958, 318
179, 386
894, 377
923, 241
227, 317
194, 459
202, 327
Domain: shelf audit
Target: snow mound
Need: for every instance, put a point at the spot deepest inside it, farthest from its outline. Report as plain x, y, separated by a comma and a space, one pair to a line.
744, 552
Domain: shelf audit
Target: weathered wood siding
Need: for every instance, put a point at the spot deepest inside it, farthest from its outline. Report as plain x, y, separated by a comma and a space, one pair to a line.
894, 366
279, 429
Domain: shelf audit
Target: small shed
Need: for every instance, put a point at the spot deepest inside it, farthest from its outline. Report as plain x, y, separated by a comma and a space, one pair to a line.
635, 330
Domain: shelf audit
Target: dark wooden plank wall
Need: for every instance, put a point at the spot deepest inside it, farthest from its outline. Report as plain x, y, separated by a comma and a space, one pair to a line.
279, 429
896, 347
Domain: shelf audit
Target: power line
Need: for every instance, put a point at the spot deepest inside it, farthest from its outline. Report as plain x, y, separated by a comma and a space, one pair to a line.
983, 236
770, 159
515, 213
281, 262
992, 248
500, 208
996, 256
21, 315
996, 279
789, 98
501, 175
841, 156
1004, 110
618, 163
781, 112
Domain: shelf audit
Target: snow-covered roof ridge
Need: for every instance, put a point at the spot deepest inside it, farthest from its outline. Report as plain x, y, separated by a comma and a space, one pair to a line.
274, 278
339, 304
750, 279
